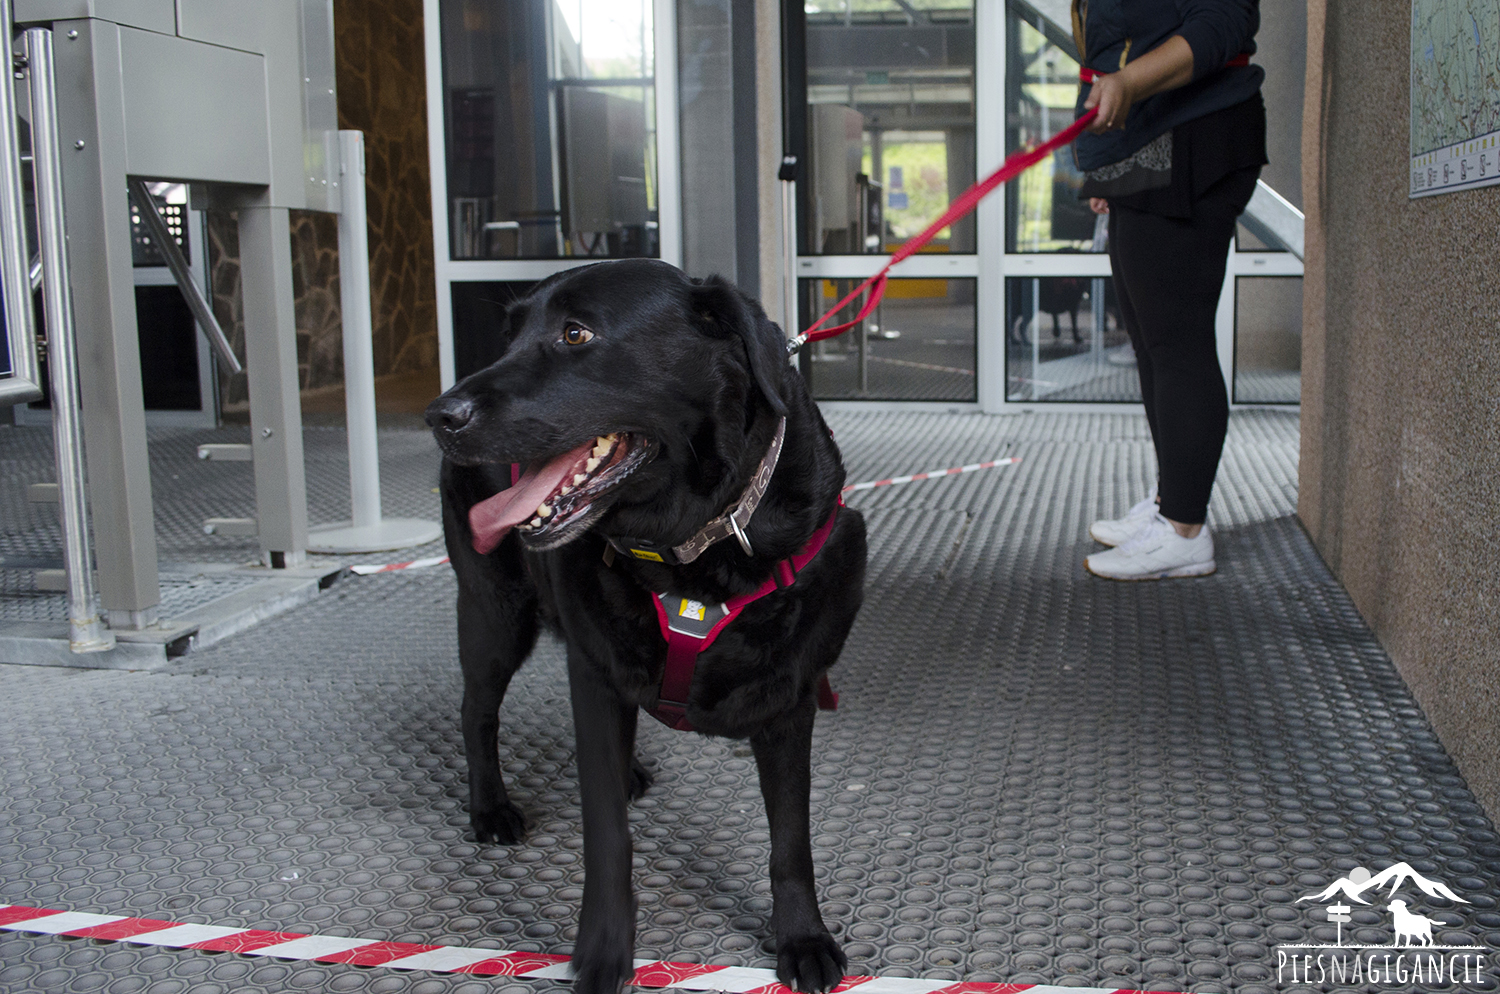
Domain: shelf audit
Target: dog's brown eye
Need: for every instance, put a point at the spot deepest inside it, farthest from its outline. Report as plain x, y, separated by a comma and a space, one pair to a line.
577, 334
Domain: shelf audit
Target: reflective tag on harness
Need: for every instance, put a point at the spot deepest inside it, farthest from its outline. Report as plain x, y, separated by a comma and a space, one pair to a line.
689, 617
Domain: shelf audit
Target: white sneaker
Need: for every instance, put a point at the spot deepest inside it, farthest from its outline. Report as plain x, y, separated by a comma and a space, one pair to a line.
1154, 553
1113, 531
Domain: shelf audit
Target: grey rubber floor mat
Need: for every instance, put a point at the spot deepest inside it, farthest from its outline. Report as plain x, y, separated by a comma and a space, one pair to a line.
1034, 775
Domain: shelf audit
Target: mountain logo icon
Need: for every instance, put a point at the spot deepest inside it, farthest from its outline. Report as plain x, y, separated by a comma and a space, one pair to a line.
1360, 880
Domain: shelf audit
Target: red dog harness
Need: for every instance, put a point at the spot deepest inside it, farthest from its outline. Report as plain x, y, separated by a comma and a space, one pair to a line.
690, 627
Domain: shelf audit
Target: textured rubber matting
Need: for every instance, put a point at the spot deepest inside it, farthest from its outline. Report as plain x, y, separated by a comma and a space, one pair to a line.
1034, 776
186, 490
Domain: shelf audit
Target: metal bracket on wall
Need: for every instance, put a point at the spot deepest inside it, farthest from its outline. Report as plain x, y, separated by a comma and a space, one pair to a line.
239, 527
226, 452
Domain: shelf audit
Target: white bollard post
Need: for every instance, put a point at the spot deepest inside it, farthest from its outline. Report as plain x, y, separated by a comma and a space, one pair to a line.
367, 531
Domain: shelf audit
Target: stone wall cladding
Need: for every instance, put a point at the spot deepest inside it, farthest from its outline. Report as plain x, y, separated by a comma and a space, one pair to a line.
382, 92
382, 87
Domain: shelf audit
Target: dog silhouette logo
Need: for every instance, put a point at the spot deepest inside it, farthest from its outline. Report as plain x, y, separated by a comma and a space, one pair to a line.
1416, 929
1415, 955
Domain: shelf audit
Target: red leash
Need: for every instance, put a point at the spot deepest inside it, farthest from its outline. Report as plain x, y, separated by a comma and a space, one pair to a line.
1013, 166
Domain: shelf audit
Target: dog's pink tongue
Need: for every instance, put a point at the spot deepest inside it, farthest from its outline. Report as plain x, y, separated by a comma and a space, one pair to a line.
489, 520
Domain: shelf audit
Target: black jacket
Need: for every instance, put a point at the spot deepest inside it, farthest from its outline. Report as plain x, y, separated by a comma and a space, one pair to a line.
1111, 33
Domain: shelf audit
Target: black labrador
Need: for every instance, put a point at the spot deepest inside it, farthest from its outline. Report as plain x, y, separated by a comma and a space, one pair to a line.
643, 405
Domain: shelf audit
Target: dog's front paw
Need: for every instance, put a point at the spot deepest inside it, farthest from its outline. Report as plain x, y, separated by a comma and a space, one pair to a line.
640, 779
810, 963
601, 974
499, 826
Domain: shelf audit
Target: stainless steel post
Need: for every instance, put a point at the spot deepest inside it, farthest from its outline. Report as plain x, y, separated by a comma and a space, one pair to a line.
1096, 336
25, 380
367, 530
358, 323
86, 632
864, 347
789, 317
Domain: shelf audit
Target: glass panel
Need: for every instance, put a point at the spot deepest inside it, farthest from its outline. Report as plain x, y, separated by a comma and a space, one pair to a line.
917, 345
1245, 241
890, 122
1268, 340
1065, 341
1042, 207
479, 319
551, 128
168, 348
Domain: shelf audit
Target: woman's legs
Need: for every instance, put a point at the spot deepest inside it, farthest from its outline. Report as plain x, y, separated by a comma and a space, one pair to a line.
1168, 276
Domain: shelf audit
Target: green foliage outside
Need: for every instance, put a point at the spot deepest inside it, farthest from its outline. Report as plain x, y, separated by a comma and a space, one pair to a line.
924, 168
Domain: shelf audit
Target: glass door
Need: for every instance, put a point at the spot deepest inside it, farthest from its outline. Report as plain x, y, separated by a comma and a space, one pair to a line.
896, 106
886, 107
553, 140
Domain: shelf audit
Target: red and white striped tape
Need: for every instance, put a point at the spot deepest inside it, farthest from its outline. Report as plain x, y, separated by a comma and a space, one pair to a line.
932, 474
372, 568
462, 959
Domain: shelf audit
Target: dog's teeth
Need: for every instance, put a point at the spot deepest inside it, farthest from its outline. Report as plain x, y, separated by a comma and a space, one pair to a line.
566, 490
578, 478
592, 464
543, 511
534, 523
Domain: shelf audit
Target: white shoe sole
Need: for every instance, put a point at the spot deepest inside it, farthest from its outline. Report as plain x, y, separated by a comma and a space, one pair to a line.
1176, 572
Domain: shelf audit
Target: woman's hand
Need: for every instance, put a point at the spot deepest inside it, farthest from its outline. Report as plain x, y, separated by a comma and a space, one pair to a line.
1099, 205
1112, 94
1166, 67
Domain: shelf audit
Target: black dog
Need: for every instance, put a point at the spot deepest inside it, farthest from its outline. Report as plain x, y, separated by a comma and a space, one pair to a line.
644, 405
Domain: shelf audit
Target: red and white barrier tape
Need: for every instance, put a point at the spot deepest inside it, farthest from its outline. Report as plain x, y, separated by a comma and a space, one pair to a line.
461, 959
932, 474
368, 569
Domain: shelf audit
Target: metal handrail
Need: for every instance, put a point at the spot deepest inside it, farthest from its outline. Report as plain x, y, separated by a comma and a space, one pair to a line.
86, 631
25, 380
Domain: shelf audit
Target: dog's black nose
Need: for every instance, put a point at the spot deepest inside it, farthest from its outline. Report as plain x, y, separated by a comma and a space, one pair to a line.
450, 413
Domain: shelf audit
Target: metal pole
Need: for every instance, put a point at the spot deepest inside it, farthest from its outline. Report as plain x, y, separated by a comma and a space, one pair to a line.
368, 531
183, 274
86, 632
359, 349
864, 348
24, 382
788, 177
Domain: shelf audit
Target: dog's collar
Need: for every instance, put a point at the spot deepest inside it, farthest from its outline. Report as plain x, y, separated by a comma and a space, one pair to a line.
732, 522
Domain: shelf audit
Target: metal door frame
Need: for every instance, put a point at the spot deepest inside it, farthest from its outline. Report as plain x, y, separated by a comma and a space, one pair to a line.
992, 265
449, 271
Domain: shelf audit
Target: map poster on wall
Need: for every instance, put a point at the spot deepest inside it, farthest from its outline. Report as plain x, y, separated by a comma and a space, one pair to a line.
1455, 95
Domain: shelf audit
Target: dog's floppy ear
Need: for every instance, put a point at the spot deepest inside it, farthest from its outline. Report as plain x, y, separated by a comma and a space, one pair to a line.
720, 305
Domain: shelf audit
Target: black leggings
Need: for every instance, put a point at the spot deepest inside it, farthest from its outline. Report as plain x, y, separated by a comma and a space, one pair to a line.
1168, 274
